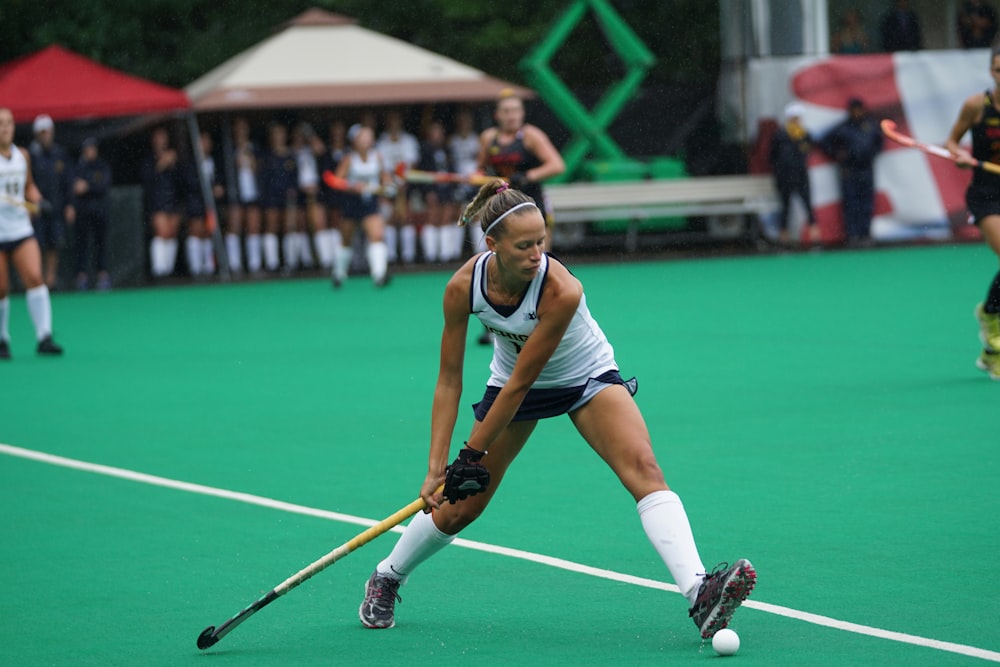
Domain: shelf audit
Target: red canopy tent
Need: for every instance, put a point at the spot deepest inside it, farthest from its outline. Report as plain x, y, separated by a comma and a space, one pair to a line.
68, 86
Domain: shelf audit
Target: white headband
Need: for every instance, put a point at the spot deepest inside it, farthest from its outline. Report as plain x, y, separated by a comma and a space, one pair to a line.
506, 213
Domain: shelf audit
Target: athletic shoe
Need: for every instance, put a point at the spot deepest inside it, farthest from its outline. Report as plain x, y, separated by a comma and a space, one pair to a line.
4, 349
989, 362
383, 282
989, 328
48, 346
378, 611
721, 593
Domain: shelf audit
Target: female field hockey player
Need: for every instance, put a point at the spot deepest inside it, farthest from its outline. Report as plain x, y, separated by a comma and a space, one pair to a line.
363, 166
981, 114
18, 245
549, 358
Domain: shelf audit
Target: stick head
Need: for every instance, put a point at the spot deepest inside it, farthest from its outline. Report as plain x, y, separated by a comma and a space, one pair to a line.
207, 638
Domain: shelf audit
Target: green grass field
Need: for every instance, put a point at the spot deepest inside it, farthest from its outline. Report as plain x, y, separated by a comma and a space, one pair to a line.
819, 414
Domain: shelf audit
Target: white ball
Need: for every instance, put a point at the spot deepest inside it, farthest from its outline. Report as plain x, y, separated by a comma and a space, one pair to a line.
726, 642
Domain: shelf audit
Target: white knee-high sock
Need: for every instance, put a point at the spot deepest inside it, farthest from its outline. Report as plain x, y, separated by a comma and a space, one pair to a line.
290, 249
667, 527
233, 254
343, 263
192, 248
5, 318
430, 241
271, 260
391, 242
169, 256
40, 309
321, 241
421, 540
377, 255
253, 253
207, 256
305, 252
156, 256
408, 243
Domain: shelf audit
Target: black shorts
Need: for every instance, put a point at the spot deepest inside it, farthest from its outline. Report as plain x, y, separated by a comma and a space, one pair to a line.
545, 403
9, 247
981, 206
357, 207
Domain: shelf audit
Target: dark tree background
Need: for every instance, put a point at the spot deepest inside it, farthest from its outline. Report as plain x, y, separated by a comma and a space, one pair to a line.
175, 41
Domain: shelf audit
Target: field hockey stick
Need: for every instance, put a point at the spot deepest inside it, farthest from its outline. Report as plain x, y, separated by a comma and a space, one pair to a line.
889, 129
212, 634
335, 182
29, 206
419, 176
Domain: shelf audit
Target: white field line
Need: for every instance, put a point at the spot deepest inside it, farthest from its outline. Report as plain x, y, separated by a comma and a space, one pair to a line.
551, 561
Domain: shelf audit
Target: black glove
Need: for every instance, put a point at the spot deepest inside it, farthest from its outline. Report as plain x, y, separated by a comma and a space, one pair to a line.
518, 180
466, 476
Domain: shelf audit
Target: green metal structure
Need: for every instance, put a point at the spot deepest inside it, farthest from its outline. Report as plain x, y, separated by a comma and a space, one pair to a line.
589, 126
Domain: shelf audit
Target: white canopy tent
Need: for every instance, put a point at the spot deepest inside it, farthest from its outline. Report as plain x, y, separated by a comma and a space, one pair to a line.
325, 59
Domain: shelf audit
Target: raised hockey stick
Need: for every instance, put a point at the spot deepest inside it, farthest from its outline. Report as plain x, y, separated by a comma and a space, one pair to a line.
889, 129
418, 176
335, 182
213, 634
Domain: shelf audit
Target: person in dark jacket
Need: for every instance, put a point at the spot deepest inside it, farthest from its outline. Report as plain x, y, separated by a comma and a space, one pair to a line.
51, 169
790, 148
854, 144
92, 187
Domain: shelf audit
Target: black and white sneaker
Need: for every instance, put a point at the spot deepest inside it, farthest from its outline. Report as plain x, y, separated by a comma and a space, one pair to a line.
378, 611
49, 347
721, 593
4, 349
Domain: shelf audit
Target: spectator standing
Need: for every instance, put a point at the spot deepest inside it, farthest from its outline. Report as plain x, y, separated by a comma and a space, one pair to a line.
397, 146
854, 144
790, 148
900, 28
325, 239
92, 188
279, 191
852, 38
50, 168
464, 147
244, 204
18, 246
198, 248
162, 182
438, 197
977, 24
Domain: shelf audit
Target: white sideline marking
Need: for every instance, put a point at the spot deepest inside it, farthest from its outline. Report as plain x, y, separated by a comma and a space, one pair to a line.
560, 563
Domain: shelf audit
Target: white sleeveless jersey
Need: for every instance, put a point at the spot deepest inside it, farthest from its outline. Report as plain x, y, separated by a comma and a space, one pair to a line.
583, 353
367, 171
15, 224
404, 148
465, 153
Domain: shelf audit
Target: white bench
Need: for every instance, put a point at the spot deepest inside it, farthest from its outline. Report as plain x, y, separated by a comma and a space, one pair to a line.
713, 196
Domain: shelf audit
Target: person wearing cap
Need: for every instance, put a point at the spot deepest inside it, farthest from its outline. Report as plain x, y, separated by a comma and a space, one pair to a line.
50, 167
789, 154
92, 188
854, 144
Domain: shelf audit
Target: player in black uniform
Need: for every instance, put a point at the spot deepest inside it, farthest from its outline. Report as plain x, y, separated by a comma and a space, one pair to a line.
981, 115
521, 153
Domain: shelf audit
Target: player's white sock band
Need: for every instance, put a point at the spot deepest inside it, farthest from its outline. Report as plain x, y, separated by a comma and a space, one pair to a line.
430, 239
40, 309
408, 243
5, 318
192, 247
421, 540
378, 259
233, 252
271, 260
667, 527
343, 264
253, 253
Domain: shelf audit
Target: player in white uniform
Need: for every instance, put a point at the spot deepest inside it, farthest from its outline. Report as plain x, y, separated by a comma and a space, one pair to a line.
396, 146
18, 245
464, 146
550, 358
365, 168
